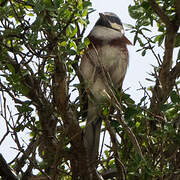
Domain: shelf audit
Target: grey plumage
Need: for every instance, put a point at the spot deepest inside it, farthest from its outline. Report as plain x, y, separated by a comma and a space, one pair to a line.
107, 52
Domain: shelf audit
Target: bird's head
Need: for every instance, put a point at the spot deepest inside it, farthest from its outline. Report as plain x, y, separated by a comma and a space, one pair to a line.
110, 20
107, 27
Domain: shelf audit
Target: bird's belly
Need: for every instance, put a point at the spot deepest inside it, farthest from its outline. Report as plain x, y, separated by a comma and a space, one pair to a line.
115, 62
109, 55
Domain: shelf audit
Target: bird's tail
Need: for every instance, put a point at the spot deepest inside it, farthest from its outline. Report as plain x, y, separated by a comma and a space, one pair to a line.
92, 133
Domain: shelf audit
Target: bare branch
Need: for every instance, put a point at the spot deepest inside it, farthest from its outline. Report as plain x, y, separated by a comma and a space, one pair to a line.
121, 171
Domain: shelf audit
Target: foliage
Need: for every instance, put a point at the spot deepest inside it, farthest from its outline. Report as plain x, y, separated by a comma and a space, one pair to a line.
41, 43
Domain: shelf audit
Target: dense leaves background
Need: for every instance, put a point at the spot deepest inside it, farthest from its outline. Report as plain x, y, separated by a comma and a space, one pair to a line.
41, 43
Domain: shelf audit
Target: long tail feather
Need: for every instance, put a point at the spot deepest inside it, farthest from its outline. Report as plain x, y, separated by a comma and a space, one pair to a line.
92, 132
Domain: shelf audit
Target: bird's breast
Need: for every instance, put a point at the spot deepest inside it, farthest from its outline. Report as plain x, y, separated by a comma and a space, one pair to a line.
112, 56
115, 61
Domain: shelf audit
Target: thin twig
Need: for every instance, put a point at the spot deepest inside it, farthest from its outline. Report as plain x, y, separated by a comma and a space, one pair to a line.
113, 99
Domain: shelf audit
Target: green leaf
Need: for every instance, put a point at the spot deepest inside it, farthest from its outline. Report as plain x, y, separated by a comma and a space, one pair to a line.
177, 42
19, 128
73, 44
11, 68
79, 5
135, 38
140, 42
145, 5
72, 52
135, 11
149, 80
144, 21
39, 7
63, 43
128, 26
30, 14
144, 144
125, 96
174, 97
85, 12
86, 41
22, 109
106, 152
82, 21
159, 39
161, 28
73, 31
138, 124
111, 162
142, 100
86, 4
166, 107
68, 31
143, 53
24, 90
105, 111
114, 123
129, 112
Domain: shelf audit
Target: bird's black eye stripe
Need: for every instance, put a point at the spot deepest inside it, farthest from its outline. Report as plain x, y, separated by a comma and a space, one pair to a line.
114, 19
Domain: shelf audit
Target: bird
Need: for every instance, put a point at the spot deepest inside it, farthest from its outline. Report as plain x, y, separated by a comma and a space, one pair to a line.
106, 54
